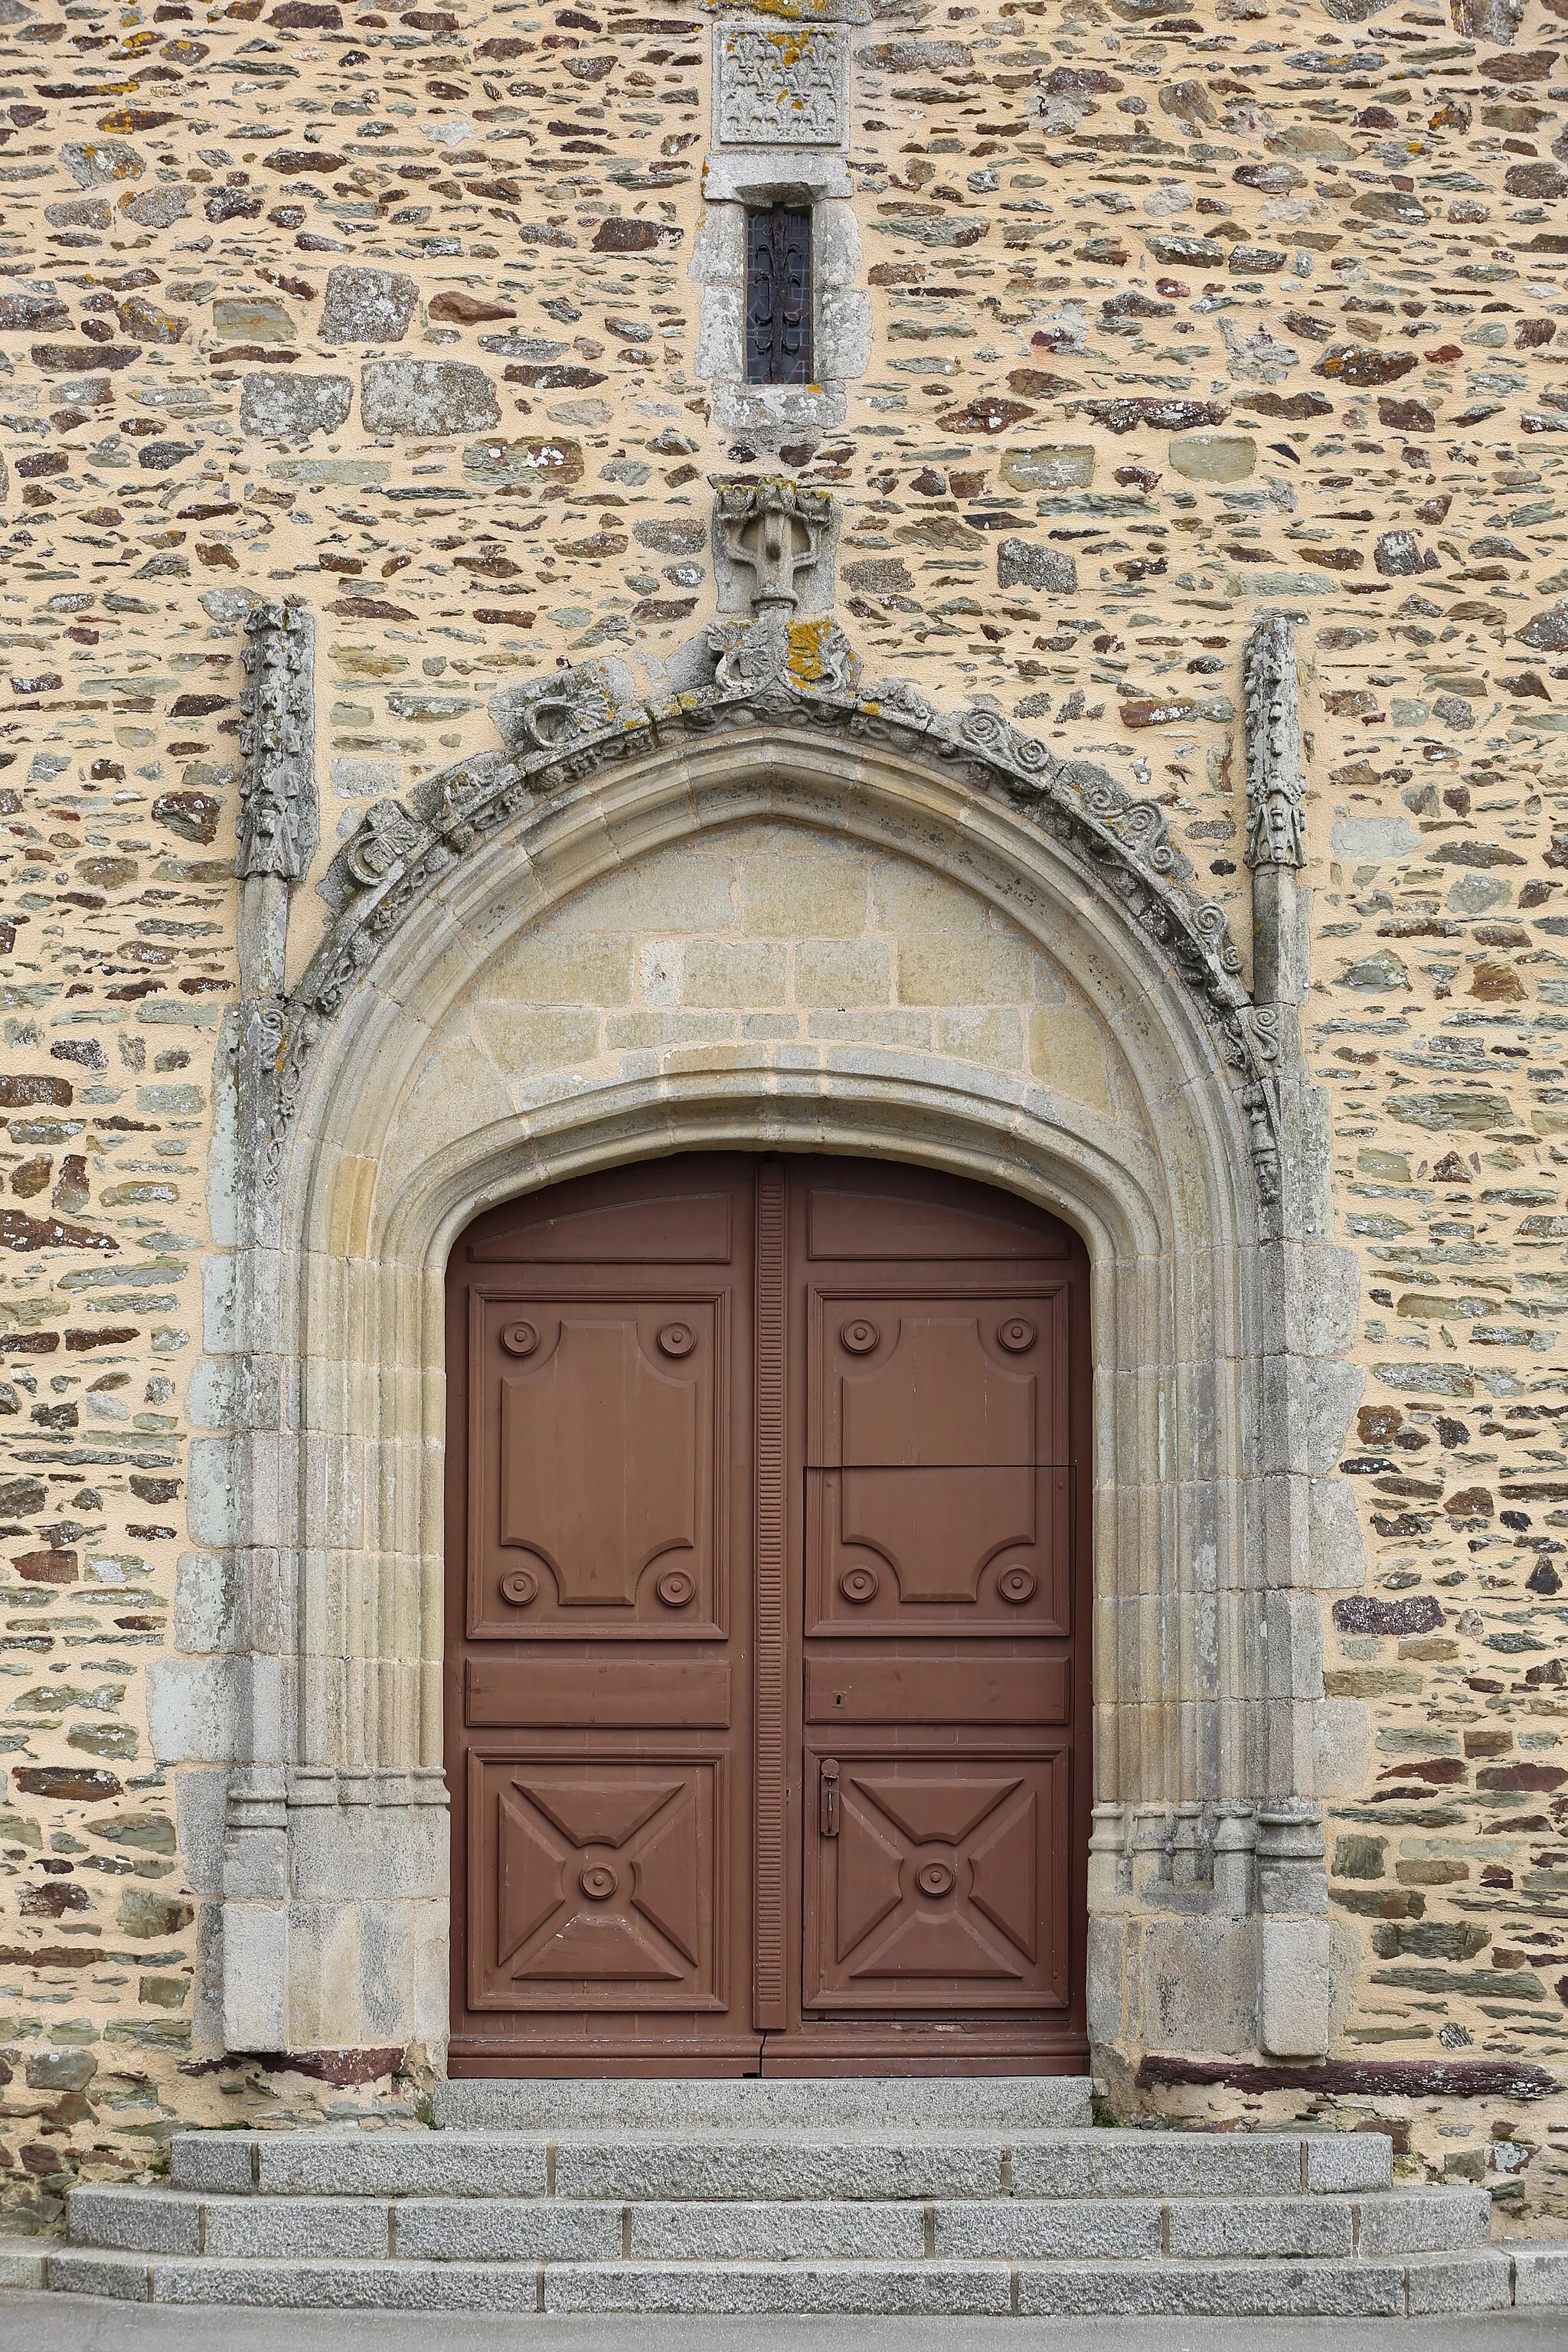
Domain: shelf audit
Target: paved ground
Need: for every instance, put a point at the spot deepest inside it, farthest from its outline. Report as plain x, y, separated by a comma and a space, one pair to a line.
60, 2323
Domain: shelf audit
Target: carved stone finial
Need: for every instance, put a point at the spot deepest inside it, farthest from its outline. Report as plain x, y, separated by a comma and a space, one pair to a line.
776, 528
1275, 779
278, 819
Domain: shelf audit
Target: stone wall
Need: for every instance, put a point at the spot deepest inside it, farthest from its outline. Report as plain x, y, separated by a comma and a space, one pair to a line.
1172, 318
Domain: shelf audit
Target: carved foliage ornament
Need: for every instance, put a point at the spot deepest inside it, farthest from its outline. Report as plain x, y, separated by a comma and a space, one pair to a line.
1275, 779
800, 673
278, 820
564, 708
387, 833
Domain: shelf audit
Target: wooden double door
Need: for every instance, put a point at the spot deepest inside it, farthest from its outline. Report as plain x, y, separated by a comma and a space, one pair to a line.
767, 1689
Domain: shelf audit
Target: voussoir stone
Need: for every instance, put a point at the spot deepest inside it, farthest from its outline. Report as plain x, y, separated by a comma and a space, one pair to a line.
367, 306
400, 395
1025, 563
277, 407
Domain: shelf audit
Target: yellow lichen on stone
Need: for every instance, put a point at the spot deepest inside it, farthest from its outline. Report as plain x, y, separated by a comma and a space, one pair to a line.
804, 664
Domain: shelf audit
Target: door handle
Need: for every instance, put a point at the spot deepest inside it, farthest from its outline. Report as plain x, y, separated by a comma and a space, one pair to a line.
827, 1798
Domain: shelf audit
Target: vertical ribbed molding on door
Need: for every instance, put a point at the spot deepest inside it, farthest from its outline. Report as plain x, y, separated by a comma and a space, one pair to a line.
768, 1854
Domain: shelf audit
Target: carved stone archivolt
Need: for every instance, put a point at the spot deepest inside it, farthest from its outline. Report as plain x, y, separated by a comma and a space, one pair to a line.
564, 730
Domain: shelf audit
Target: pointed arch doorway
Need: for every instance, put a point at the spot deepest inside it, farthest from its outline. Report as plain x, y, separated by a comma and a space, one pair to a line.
767, 1688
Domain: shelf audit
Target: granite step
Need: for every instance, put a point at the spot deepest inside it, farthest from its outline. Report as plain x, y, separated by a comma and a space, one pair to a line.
833, 2105
22, 2261
958, 2200
154, 2220
852, 2165
931, 2285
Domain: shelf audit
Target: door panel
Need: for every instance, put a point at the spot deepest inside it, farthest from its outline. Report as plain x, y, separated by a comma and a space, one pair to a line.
600, 1449
767, 1665
942, 1414
867, 1217
954, 1687
595, 1884
509, 1693
937, 1882
606, 1223
938, 1486
932, 1550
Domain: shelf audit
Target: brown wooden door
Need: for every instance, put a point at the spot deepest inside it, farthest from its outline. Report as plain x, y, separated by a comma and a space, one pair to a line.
599, 1632
767, 1663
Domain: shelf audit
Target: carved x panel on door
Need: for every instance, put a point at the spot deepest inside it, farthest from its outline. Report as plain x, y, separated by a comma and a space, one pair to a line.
937, 1882
601, 1886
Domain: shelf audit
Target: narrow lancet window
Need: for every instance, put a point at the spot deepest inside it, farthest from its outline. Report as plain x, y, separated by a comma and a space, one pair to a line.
778, 296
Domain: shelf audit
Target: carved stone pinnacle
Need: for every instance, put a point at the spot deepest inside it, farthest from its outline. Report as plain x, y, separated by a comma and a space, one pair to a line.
1275, 779
278, 818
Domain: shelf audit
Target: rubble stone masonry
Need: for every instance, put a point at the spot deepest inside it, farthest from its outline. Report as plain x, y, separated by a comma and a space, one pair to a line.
1173, 319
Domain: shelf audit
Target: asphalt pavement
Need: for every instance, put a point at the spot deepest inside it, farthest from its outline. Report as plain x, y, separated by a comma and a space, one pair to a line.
62, 2322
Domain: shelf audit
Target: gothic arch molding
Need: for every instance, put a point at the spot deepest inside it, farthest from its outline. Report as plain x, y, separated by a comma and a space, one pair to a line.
1219, 1313
795, 686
